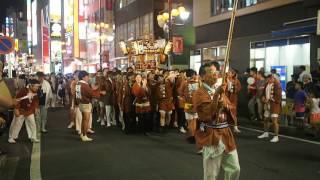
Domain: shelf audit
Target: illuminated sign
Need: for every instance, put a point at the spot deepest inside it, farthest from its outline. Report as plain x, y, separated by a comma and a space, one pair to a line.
55, 10
16, 44
68, 15
318, 24
34, 23
56, 55
45, 44
55, 30
177, 45
29, 20
82, 24
76, 48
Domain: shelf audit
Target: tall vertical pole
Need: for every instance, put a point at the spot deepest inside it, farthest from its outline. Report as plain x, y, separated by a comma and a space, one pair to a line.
229, 43
169, 35
100, 33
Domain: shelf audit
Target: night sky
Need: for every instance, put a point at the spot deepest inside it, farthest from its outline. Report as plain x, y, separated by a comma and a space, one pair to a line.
7, 3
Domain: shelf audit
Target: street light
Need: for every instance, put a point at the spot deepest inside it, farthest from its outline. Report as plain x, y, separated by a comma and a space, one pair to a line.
184, 15
165, 21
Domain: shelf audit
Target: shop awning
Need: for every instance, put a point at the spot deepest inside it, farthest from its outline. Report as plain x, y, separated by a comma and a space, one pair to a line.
295, 31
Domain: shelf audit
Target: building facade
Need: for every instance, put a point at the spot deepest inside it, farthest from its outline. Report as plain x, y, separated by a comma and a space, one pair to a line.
270, 34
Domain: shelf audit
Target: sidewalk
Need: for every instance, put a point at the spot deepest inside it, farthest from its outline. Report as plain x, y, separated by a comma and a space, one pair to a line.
284, 130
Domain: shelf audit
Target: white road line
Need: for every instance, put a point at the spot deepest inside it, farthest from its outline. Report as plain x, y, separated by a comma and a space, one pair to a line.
35, 168
284, 136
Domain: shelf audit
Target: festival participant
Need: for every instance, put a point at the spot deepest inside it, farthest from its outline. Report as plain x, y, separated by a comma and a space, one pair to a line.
126, 102
25, 111
180, 80
119, 88
75, 113
84, 95
252, 92
116, 111
314, 102
214, 136
99, 81
45, 96
108, 98
164, 94
142, 103
153, 85
233, 89
186, 92
272, 107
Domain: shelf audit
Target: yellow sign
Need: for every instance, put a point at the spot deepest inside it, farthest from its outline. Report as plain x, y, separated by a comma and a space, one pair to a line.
16, 44
76, 29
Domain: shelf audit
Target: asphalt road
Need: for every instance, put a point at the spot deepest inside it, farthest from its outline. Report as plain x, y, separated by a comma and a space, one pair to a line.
116, 156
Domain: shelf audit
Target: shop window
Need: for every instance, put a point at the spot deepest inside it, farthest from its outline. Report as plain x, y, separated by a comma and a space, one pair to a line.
289, 53
221, 6
145, 25
131, 30
137, 28
151, 24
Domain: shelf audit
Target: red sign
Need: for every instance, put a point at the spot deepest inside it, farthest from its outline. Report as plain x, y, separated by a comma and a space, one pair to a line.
45, 44
177, 42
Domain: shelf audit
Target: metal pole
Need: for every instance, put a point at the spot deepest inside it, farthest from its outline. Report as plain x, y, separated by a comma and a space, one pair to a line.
100, 32
229, 43
169, 35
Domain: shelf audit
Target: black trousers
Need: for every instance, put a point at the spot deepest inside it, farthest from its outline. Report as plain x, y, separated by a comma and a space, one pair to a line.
144, 122
181, 117
130, 122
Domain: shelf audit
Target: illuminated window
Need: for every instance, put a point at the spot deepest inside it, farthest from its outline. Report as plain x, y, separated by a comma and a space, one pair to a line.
222, 6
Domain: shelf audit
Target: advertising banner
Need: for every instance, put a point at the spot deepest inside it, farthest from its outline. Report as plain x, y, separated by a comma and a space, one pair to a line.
45, 44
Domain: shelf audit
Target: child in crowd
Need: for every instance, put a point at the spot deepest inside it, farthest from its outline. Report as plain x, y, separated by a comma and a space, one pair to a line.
300, 98
314, 102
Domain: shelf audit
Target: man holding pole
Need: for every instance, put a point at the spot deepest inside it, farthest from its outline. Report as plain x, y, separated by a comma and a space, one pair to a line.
216, 112
214, 137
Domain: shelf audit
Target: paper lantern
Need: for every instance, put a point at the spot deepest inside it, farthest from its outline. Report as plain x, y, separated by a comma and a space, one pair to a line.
165, 16
181, 9
160, 17
175, 12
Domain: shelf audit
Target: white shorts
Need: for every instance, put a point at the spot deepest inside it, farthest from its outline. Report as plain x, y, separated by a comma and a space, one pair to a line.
164, 112
190, 116
267, 113
87, 108
101, 104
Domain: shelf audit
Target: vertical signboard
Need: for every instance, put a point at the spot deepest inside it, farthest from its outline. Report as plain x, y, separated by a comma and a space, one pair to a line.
29, 24
177, 42
55, 35
318, 24
45, 35
45, 44
76, 49
34, 23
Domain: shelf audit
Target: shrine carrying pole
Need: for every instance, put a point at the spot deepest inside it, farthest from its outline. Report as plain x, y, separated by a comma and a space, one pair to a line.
229, 43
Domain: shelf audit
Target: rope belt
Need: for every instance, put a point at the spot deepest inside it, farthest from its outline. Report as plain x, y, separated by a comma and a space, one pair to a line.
143, 104
214, 125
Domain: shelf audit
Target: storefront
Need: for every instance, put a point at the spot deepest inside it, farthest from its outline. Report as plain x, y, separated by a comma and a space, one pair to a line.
289, 53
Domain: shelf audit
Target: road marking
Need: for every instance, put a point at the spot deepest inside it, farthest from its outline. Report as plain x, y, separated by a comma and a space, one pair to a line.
288, 137
35, 170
